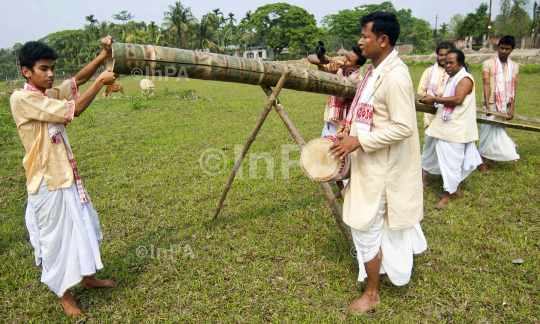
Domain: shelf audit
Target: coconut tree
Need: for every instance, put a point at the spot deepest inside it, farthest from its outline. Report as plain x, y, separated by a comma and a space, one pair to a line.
204, 36
92, 21
180, 20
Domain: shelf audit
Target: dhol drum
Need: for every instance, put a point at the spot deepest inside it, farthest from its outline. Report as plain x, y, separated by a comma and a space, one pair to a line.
319, 166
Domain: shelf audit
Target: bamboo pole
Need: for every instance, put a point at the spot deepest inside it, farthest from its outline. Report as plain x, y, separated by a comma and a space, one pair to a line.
507, 125
271, 101
516, 117
336, 212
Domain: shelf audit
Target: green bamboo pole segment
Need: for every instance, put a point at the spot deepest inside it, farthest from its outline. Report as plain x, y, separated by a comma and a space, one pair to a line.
516, 117
149, 60
507, 125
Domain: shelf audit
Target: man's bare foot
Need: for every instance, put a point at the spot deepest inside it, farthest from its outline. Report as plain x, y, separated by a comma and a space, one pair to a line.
444, 200
91, 282
364, 303
385, 278
457, 193
70, 306
484, 169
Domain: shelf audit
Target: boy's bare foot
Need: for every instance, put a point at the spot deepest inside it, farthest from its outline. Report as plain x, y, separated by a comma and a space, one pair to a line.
364, 303
70, 306
444, 200
92, 282
337, 194
440, 179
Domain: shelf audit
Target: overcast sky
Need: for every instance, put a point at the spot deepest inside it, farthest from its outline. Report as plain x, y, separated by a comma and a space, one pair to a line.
25, 20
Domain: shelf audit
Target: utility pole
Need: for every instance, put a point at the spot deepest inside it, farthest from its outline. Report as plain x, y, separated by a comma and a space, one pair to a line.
536, 13
435, 34
489, 24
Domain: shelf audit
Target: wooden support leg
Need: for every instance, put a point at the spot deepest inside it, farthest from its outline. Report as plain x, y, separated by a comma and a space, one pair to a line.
271, 101
336, 212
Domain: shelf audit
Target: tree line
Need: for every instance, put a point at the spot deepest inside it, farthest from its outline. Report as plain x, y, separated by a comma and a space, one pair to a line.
278, 26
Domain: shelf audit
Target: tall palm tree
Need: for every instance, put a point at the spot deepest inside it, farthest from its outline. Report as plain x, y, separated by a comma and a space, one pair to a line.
204, 36
180, 20
92, 21
231, 18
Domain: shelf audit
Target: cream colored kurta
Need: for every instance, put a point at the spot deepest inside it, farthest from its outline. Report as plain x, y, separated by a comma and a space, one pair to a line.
428, 118
462, 127
44, 159
388, 161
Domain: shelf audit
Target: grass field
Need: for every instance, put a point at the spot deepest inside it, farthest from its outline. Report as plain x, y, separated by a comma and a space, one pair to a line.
275, 254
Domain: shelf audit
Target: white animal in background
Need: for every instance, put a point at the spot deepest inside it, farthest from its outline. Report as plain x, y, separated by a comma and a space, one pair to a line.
147, 85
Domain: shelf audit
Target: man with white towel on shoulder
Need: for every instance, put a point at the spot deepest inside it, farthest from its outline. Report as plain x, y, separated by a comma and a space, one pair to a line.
453, 152
432, 82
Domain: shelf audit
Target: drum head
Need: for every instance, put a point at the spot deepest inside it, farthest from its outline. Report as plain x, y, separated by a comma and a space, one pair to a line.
316, 163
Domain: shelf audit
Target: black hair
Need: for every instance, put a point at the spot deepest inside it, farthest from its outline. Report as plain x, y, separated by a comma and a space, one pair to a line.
35, 51
508, 40
384, 23
460, 57
360, 60
444, 45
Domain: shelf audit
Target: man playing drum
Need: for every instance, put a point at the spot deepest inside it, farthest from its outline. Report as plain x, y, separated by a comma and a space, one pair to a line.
452, 151
336, 108
63, 226
383, 202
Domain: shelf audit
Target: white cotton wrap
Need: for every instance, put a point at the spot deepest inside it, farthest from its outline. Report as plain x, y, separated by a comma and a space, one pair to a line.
65, 235
397, 247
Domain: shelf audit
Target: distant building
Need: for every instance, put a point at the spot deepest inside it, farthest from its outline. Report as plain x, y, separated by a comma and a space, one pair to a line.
259, 52
404, 48
342, 51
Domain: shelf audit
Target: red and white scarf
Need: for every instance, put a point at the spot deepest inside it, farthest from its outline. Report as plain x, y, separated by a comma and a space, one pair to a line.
57, 130
451, 85
505, 87
336, 110
433, 80
361, 110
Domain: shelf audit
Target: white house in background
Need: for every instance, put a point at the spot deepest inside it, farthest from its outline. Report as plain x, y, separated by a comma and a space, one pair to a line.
259, 52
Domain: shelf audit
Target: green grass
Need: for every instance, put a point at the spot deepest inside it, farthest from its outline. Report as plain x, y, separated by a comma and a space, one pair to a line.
275, 254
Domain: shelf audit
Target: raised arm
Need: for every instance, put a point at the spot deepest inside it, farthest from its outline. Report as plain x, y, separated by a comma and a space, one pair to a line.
84, 100
88, 71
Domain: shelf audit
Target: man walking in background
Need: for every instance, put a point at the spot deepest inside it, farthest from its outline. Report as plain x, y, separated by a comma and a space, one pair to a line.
432, 83
500, 76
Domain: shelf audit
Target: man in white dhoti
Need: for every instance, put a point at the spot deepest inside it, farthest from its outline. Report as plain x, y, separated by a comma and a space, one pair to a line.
63, 226
383, 201
500, 76
432, 82
336, 108
452, 153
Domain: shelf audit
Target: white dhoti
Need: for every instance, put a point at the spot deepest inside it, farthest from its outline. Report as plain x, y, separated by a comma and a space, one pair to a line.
454, 161
330, 129
397, 247
495, 144
65, 235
